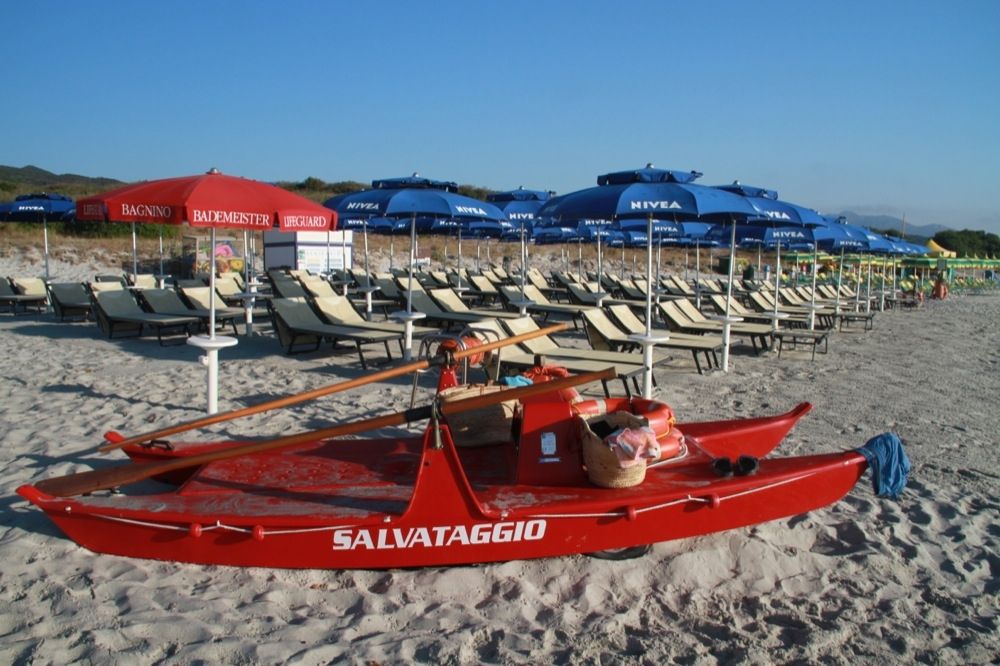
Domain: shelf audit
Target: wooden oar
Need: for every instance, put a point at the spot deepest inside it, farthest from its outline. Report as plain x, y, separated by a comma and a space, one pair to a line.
115, 441
102, 479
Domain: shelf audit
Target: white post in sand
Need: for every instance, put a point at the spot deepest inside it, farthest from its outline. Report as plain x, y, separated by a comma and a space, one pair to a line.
648, 340
211, 344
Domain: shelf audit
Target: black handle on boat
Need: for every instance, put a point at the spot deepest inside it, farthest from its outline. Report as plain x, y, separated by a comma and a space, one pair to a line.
103, 479
305, 396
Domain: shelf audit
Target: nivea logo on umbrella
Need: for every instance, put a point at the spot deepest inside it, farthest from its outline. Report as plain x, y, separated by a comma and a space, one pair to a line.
522, 216
790, 233
146, 210
29, 207
470, 210
777, 215
362, 205
231, 217
654, 205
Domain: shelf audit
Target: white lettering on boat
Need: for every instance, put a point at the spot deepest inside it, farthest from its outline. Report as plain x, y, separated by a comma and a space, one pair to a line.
437, 537
654, 205
231, 217
146, 210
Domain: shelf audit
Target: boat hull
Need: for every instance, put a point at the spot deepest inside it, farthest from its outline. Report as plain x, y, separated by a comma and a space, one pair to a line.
445, 519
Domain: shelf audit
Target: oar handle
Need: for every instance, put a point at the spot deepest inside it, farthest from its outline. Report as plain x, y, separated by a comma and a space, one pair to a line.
116, 441
102, 479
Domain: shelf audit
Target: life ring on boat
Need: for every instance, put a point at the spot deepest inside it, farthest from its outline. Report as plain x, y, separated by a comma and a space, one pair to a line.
659, 415
466, 342
544, 373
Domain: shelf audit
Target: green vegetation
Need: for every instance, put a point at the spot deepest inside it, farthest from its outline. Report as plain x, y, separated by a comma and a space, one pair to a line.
969, 243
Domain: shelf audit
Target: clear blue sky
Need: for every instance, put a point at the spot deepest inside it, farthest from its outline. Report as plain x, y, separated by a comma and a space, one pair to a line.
872, 106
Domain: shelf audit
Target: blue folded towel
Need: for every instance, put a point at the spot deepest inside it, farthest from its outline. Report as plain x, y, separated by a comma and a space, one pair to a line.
515, 380
888, 462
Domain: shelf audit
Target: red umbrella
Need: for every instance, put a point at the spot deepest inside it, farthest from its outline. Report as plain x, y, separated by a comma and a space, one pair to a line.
210, 200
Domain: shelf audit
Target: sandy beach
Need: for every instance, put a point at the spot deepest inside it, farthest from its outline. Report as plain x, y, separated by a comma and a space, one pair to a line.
866, 580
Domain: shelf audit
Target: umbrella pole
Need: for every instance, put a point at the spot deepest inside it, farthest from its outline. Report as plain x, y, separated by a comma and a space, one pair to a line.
621, 273
479, 263
248, 297
391, 252
659, 251
840, 276
329, 261
458, 279
523, 305
409, 316
135, 254
812, 301
726, 319
45, 242
211, 344
579, 251
697, 274
777, 281
343, 258
647, 340
159, 278
368, 276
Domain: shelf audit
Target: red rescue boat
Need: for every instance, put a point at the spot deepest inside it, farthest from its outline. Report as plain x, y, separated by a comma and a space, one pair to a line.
453, 495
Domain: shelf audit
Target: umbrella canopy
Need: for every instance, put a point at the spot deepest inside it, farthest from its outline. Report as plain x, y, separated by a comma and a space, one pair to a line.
38, 207
519, 208
644, 193
413, 196
774, 210
212, 200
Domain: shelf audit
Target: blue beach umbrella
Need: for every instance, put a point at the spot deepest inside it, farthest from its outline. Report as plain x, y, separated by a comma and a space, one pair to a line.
38, 207
520, 206
652, 194
414, 197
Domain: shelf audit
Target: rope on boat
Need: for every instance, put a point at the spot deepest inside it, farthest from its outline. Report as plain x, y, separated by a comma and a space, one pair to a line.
219, 525
682, 500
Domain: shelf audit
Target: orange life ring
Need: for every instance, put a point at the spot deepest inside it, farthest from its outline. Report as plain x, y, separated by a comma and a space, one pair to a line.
659, 415
467, 342
539, 374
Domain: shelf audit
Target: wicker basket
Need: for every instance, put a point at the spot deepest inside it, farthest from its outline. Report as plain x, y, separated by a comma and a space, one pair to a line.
602, 463
479, 427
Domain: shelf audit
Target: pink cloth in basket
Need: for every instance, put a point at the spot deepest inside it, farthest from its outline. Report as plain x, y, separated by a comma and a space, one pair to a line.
633, 446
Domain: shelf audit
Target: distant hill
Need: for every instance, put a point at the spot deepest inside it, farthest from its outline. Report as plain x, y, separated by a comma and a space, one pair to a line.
890, 223
28, 179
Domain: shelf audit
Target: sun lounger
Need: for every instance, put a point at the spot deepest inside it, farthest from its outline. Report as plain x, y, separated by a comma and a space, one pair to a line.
200, 298
539, 304
517, 359
70, 299
422, 302
707, 346
141, 280
168, 302
758, 334
549, 348
740, 310
339, 311
452, 302
24, 292
297, 324
117, 311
